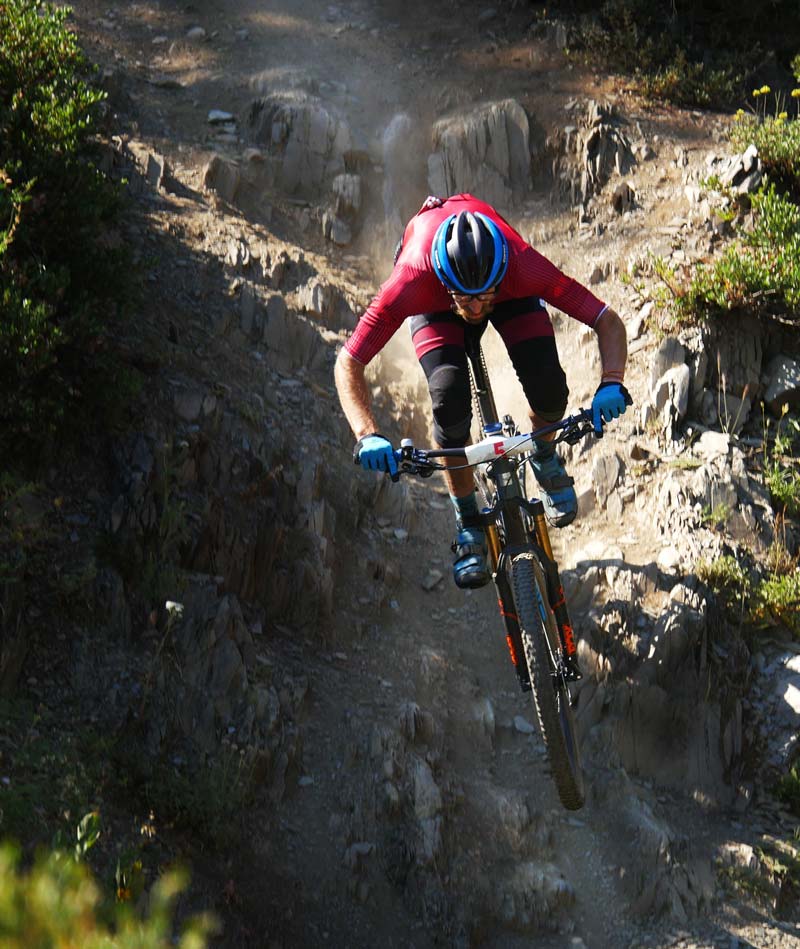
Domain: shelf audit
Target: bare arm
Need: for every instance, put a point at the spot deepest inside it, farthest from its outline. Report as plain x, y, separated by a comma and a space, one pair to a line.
351, 387
612, 341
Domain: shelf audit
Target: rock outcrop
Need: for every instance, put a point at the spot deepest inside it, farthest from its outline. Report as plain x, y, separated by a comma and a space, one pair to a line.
486, 151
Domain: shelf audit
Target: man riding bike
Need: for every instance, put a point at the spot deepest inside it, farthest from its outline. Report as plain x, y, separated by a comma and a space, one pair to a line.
459, 266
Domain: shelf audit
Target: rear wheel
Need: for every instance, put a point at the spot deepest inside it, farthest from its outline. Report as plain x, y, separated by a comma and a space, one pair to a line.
551, 697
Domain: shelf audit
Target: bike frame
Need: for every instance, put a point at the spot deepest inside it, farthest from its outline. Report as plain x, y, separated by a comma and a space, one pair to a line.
513, 523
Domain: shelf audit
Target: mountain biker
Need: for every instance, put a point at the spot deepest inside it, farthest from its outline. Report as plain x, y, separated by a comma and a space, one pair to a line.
459, 266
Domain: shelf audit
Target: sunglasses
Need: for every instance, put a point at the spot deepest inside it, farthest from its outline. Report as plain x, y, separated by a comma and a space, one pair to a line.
464, 298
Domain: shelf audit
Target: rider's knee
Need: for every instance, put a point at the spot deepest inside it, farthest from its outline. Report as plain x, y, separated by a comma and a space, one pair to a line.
549, 395
543, 379
450, 400
551, 412
455, 435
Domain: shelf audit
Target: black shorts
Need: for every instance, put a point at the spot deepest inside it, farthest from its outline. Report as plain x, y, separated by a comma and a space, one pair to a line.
525, 327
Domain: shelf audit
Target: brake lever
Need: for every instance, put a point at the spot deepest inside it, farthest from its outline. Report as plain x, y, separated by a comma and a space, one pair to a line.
573, 435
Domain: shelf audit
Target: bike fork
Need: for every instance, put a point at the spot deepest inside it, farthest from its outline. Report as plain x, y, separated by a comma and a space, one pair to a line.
509, 617
555, 593
513, 637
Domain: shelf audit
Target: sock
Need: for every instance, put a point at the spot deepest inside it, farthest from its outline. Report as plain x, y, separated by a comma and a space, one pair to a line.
464, 507
543, 450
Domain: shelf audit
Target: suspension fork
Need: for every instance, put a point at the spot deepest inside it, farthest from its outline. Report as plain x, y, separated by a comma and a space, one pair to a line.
505, 604
555, 589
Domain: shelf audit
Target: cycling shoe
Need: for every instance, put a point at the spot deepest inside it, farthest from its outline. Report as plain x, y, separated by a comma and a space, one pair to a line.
558, 491
469, 568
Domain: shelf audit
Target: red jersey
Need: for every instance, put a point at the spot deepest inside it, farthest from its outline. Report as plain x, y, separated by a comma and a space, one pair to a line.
413, 286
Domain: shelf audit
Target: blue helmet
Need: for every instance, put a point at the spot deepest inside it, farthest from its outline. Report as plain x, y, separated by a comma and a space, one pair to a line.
469, 253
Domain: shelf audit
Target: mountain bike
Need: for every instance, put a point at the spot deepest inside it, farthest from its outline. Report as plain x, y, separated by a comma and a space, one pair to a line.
539, 634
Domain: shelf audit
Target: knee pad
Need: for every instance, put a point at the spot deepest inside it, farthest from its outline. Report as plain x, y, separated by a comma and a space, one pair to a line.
557, 395
543, 380
554, 411
450, 400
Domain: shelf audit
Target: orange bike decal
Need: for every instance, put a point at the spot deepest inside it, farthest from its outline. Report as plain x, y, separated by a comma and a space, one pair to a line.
569, 639
561, 601
512, 650
504, 613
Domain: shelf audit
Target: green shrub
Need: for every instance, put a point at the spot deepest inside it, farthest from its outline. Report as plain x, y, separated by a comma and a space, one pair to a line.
725, 577
777, 138
690, 83
62, 266
716, 517
788, 788
781, 467
691, 53
776, 601
758, 272
622, 33
57, 905
55, 772
627, 39
206, 801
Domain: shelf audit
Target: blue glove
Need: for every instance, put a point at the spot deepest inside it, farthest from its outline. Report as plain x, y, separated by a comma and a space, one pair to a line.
375, 453
609, 402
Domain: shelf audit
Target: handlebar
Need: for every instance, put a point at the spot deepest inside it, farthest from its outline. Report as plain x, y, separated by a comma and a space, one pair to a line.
419, 461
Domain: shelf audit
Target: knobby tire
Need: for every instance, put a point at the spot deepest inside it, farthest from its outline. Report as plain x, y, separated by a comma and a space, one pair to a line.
551, 697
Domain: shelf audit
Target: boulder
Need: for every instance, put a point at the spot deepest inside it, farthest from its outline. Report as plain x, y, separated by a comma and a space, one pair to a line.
335, 229
603, 150
783, 386
606, 472
742, 173
671, 392
735, 349
534, 895
222, 176
307, 140
712, 445
346, 196
670, 352
486, 151
624, 197
292, 342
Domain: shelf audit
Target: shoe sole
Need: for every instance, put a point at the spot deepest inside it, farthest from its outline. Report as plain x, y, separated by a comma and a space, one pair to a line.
472, 583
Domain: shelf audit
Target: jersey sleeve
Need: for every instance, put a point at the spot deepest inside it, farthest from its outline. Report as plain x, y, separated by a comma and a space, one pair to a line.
535, 275
406, 292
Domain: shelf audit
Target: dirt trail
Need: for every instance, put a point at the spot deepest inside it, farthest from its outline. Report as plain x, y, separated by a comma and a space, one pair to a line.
442, 650
462, 636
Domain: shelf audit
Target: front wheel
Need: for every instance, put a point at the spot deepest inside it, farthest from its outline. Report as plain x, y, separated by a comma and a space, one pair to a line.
541, 644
